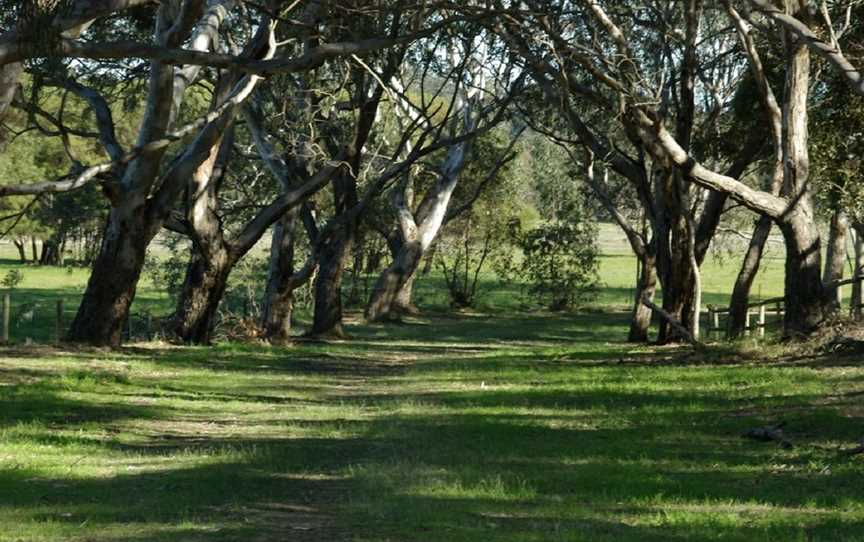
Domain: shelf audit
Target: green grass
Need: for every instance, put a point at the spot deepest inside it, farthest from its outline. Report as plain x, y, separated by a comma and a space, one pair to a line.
494, 424
520, 428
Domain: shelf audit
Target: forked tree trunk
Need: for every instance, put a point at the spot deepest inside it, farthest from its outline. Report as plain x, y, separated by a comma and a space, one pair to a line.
385, 302
111, 288
278, 306
22, 253
746, 275
673, 251
203, 289
640, 321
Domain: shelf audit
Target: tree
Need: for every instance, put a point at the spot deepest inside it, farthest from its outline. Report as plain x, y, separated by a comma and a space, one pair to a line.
140, 184
475, 106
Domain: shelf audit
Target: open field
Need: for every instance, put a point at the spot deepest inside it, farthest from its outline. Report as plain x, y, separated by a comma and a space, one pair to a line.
458, 429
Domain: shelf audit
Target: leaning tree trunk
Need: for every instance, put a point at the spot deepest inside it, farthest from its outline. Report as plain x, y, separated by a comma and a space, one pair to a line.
203, 289
640, 321
278, 306
746, 275
327, 320
404, 302
333, 257
22, 253
113, 280
385, 300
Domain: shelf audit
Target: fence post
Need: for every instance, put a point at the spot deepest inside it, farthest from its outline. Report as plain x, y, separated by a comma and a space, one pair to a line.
715, 320
747, 322
58, 323
761, 320
7, 310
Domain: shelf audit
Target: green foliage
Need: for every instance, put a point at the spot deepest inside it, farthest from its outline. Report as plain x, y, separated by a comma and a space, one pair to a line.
478, 238
12, 279
559, 263
470, 244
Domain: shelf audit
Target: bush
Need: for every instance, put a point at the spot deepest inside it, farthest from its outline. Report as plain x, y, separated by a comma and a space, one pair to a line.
12, 279
559, 263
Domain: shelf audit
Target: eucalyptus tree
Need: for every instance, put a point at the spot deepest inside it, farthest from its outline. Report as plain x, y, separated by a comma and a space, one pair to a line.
141, 183
331, 148
792, 211
476, 85
684, 67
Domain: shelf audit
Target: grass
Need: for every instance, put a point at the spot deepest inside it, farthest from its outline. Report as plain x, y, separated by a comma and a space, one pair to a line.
494, 425
520, 428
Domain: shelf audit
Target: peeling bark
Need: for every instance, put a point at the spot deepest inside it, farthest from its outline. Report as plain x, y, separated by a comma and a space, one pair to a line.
835, 258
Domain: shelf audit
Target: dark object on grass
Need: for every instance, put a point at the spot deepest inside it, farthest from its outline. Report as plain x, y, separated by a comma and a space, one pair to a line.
845, 345
769, 433
857, 449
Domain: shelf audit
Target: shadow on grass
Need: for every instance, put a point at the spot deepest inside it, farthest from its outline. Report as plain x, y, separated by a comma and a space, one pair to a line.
555, 447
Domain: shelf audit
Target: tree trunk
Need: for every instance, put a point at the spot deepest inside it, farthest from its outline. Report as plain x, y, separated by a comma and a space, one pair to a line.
746, 276
857, 297
640, 321
804, 292
386, 302
22, 252
354, 296
278, 306
404, 302
428, 261
111, 288
34, 249
52, 253
203, 289
673, 260
327, 320
835, 258
334, 255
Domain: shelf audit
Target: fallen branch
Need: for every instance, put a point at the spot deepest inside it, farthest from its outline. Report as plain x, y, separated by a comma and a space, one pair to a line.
683, 331
857, 449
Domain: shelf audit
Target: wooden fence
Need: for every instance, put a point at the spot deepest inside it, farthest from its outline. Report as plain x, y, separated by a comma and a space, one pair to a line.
760, 311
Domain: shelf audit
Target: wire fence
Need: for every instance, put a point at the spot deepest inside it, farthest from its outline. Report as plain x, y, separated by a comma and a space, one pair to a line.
25, 320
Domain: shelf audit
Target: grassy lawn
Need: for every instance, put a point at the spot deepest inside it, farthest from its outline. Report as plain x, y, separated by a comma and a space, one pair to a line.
518, 428
498, 424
